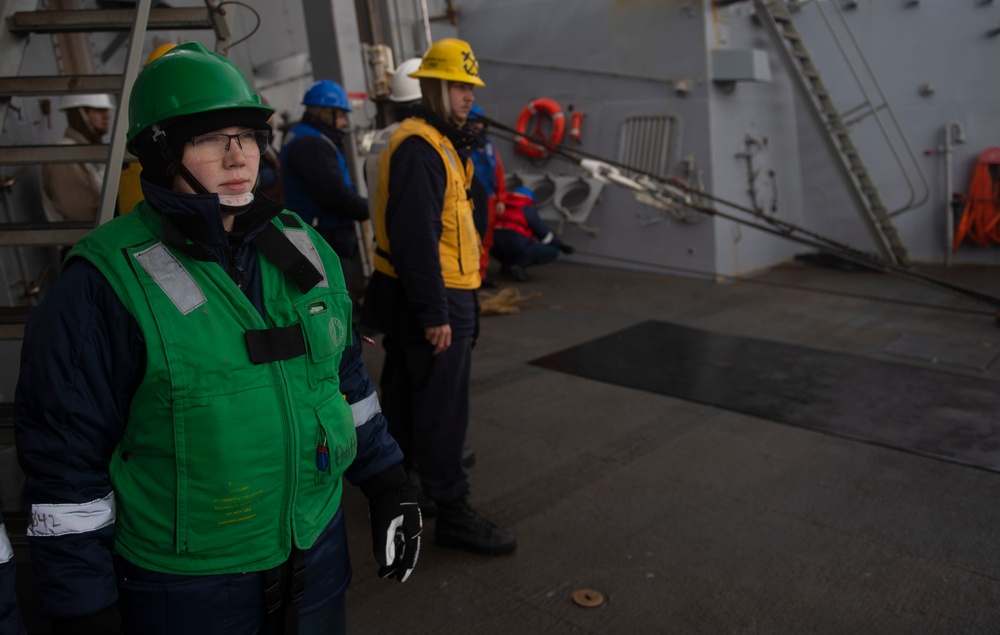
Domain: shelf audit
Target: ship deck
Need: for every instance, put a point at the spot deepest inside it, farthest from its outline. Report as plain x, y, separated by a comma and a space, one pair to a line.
678, 516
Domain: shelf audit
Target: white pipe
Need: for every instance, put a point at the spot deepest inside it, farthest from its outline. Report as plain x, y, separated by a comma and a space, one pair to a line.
425, 15
949, 213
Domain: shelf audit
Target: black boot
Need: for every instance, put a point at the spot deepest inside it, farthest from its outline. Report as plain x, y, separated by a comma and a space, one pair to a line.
459, 526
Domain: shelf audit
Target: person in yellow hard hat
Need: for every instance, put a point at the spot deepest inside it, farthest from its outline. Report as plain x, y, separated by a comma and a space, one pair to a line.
422, 295
158, 52
129, 188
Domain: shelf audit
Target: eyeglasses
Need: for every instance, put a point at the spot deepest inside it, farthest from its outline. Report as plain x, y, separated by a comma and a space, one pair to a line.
214, 146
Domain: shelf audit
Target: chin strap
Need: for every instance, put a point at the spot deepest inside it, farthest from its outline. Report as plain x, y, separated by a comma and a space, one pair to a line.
235, 205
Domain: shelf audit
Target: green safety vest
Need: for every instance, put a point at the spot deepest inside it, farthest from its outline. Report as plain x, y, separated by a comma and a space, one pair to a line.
221, 465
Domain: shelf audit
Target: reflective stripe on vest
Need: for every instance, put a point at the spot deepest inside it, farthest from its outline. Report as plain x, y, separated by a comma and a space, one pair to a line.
60, 519
303, 243
171, 277
181, 288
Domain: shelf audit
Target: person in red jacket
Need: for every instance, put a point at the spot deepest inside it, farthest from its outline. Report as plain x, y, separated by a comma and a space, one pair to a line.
521, 238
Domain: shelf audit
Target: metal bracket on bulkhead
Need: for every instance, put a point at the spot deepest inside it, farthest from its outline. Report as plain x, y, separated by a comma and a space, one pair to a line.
560, 198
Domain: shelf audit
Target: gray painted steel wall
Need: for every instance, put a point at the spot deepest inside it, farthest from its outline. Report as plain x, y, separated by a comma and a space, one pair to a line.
571, 52
609, 60
943, 43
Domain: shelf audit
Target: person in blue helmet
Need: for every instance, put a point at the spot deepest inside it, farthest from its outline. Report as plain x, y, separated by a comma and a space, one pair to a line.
489, 188
522, 239
317, 185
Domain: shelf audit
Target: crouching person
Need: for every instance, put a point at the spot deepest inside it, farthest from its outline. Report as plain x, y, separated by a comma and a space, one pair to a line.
521, 239
191, 395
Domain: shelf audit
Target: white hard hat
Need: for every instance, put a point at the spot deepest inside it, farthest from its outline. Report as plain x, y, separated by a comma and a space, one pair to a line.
86, 101
402, 87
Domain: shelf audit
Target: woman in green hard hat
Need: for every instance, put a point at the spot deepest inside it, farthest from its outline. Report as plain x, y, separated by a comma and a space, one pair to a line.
191, 394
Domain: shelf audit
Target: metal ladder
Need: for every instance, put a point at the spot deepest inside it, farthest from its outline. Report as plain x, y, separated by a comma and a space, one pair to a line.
776, 17
20, 19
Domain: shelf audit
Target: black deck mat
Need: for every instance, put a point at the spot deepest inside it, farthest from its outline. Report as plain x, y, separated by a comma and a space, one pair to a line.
929, 412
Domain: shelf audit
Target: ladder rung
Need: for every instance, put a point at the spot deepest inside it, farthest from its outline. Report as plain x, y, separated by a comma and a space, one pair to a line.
41, 234
78, 21
60, 84
69, 153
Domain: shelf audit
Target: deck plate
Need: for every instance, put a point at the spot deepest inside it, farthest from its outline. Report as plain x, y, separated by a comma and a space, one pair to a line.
930, 412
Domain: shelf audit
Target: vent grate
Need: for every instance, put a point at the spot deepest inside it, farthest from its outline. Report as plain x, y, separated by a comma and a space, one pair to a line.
644, 143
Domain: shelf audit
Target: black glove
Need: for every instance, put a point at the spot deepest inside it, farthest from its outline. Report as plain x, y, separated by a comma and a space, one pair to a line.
396, 522
107, 622
566, 249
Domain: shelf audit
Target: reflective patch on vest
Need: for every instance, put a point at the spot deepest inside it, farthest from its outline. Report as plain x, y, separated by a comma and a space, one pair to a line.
171, 277
365, 409
71, 518
6, 552
303, 243
451, 158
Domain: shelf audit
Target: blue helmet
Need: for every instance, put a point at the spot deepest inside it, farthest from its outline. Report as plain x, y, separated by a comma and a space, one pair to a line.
523, 191
476, 112
328, 93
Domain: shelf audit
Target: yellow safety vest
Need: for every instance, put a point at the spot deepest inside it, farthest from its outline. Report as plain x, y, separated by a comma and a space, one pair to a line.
460, 246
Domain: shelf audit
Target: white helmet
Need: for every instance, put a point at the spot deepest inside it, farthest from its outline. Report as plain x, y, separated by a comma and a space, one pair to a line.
86, 101
403, 87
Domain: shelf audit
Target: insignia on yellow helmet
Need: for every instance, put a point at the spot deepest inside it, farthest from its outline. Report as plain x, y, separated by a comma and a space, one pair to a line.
452, 60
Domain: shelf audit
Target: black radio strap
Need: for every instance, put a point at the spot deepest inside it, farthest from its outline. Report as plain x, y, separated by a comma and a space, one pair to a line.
275, 344
277, 248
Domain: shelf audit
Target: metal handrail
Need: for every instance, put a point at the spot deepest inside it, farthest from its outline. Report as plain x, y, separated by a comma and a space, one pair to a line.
875, 110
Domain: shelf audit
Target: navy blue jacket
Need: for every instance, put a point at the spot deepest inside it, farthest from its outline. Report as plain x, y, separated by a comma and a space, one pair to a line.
417, 299
83, 357
315, 180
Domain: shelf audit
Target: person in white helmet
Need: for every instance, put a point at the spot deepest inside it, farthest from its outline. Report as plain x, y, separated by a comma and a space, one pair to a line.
404, 93
72, 191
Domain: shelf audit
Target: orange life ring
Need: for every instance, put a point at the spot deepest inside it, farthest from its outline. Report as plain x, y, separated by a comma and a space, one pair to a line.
535, 145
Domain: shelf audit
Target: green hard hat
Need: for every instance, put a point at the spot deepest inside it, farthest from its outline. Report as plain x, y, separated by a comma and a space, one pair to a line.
187, 80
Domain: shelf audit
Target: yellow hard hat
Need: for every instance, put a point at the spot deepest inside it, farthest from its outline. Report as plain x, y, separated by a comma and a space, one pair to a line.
159, 51
451, 60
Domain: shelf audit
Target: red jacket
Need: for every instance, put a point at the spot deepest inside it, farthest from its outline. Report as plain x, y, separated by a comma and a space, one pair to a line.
513, 214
